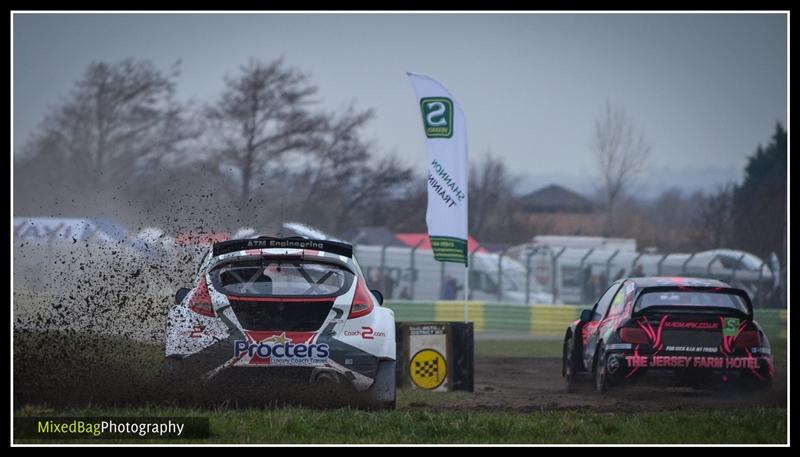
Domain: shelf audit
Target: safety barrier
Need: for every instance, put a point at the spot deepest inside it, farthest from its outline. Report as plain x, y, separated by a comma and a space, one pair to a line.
540, 274
536, 320
773, 321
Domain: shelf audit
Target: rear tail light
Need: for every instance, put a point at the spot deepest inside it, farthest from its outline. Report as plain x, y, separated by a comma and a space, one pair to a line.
201, 299
748, 339
633, 335
362, 301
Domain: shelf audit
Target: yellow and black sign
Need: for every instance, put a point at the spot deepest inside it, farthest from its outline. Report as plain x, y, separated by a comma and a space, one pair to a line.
428, 369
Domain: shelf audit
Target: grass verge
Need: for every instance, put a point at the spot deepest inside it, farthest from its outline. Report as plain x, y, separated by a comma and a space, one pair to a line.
297, 425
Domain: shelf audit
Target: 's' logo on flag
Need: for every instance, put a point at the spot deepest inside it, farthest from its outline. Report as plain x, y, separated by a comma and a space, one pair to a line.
437, 117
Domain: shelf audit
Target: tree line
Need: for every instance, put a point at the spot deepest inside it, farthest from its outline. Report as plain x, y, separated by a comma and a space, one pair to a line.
263, 151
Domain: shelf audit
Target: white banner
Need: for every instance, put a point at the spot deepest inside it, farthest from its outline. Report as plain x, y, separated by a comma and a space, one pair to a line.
448, 168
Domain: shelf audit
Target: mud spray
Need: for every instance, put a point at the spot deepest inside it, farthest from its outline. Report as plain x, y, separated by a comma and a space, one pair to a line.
90, 320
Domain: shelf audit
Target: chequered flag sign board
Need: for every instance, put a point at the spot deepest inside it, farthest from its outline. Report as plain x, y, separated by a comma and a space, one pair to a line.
427, 368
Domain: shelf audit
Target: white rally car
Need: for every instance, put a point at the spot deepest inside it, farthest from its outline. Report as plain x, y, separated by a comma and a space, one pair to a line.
272, 313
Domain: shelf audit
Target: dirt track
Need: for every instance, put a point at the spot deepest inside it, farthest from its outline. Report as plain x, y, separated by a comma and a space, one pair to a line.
533, 384
65, 372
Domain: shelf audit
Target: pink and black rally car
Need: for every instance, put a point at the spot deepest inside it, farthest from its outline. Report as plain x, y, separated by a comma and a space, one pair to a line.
699, 329
274, 317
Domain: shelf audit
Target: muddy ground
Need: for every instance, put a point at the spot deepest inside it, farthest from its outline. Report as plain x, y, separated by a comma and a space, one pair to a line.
57, 370
535, 384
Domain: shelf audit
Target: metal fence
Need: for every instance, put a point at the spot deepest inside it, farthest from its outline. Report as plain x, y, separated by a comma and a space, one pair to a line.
531, 275
546, 275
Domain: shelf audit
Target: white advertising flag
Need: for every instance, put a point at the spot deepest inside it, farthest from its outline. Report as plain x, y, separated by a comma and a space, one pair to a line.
448, 168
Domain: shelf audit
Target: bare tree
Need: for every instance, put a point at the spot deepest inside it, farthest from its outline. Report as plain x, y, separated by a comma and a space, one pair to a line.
120, 118
713, 226
372, 192
343, 184
493, 205
336, 149
621, 153
359, 194
267, 128
407, 213
262, 115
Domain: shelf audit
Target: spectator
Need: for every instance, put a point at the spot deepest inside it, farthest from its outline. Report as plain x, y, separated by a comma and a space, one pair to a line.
596, 288
602, 283
375, 278
450, 288
388, 286
587, 287
404, 294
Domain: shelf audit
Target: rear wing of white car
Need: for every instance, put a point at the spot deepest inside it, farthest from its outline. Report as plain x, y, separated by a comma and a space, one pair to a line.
265, 242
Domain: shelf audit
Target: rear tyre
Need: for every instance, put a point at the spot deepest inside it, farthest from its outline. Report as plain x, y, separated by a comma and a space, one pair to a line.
766, 384
329, 390
569, 365
752, 384
172, 370
383, 393
601, 383
175, 382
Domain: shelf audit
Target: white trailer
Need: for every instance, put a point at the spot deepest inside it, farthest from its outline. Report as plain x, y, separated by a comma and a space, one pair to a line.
414, 274
579, 275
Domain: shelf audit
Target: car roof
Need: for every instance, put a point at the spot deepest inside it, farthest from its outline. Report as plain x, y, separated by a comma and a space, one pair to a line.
676, 281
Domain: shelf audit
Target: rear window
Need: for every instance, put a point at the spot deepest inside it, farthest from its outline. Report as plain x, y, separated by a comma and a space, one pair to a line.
281, 278
691, 299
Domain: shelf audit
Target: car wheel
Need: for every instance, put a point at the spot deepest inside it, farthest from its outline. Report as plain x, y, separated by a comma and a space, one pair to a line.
172, 370
601, 370
570, 368
751, 384
176, 384
383, 393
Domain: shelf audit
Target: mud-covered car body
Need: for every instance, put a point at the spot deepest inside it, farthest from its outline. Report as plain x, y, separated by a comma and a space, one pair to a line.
294, 312
699, 329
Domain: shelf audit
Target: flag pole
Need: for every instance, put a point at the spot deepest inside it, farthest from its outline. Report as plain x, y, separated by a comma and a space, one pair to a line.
466, 290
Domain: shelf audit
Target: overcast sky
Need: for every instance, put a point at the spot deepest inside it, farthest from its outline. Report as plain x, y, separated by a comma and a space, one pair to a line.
705, 89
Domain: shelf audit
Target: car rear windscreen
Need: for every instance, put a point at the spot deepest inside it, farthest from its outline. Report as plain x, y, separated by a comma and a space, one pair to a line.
690, 299
281, 279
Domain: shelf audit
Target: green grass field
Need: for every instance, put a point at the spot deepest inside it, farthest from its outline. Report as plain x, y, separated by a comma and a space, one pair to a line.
295, 425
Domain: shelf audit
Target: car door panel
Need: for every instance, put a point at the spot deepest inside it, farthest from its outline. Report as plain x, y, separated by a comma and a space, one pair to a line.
591, 330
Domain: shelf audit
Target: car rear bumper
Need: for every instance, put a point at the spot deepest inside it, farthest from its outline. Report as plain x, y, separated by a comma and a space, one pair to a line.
623, 365
215, 367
